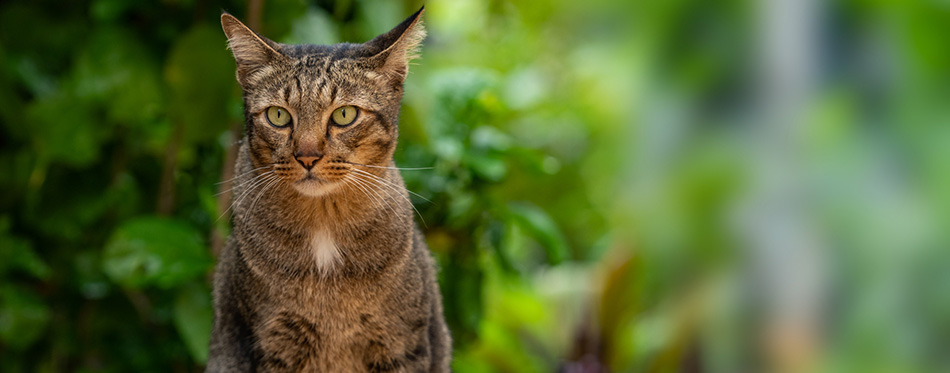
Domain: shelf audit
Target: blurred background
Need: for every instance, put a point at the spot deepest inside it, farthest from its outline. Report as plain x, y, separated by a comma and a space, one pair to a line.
626, 186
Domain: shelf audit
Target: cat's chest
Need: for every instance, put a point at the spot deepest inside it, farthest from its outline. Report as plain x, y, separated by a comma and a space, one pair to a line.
312, 340
323, 250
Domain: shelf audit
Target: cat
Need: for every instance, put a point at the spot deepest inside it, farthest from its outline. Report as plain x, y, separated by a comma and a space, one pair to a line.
325, 269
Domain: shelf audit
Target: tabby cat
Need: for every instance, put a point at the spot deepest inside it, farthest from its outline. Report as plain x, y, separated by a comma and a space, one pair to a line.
325, 270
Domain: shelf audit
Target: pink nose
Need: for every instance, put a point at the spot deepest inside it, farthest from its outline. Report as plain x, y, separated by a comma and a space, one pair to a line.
308, 161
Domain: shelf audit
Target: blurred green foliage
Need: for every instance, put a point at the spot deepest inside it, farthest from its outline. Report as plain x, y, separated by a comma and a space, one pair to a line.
582, 165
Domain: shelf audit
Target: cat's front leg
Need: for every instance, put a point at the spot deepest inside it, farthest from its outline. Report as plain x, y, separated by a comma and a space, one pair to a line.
415, 359
231, 347
409, 352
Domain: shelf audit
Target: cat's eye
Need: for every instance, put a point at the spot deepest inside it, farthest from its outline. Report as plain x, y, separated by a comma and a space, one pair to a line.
278, 116
344, 115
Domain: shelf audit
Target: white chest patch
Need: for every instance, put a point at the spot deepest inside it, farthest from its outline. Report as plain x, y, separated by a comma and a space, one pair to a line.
324, 251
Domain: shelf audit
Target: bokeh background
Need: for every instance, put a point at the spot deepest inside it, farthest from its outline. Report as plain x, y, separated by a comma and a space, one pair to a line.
608, 185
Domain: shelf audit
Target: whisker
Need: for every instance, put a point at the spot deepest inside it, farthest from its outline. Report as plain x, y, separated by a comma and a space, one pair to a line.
389, 168
383, 200
348, 183
378, 181
390, 183
346, 202
239, 176
258, 184
263, 191
353, 182
363, 187
244, 183
244, 195
394, 189
251, 181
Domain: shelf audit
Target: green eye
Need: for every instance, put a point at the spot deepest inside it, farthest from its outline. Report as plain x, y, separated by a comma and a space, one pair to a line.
278, 116
345, 115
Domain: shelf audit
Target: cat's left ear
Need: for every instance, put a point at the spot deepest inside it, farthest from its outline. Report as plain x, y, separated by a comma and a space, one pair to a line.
253, 53
392, 51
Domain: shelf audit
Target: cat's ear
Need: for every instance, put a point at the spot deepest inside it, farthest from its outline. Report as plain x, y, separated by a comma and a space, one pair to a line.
253, 53
392, 51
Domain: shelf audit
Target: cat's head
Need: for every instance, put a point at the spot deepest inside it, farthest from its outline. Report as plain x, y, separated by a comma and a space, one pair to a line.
314, 112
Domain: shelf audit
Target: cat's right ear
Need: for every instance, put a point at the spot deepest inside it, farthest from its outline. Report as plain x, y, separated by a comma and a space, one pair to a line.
393, 50
253, 53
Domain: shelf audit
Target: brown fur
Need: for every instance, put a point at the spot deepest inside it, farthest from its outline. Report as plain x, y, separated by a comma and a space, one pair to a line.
325, 270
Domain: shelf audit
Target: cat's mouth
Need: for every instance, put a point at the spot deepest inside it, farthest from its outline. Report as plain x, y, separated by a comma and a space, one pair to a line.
310, 177
313, 185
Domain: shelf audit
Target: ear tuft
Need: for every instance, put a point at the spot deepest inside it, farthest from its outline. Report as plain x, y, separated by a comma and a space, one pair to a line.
252, 52
396, 48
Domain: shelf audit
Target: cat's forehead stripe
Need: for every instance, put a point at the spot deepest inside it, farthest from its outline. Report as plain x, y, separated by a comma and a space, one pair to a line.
322, 90
326, 66
311, 61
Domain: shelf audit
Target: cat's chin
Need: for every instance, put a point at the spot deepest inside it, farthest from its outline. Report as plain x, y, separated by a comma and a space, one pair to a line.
313, 188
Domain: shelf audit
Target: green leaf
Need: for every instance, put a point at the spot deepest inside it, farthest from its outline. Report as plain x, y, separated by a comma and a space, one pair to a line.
200, 76
540, 226
18, 255
490, 167
486, 137
279, 15
117, 72
494, 235
193, 316
23, 317
75, 141
109, 10
464, 297
458, 107
314, 27
379, 16
155, 251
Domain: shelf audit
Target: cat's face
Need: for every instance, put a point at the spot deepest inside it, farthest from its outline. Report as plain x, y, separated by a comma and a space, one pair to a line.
315, 113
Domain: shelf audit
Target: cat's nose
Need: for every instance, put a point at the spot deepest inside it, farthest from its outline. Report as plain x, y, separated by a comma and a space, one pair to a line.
309, 160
